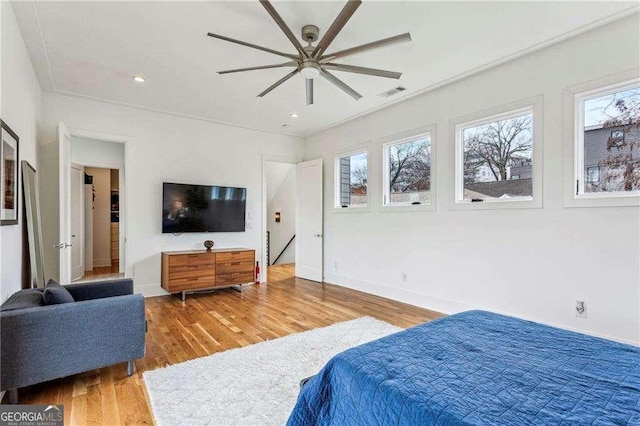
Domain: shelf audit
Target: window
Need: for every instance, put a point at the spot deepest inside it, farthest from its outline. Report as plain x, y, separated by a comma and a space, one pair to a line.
608, 142
351, 180
407, 171
593, 174
495, 158
617, 138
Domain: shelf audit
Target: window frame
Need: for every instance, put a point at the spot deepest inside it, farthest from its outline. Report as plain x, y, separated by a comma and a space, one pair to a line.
531, 105
404, 137
574, 97
337, 206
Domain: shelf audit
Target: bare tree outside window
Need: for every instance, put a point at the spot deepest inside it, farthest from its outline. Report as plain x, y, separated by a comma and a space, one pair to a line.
611, 142
498, 158
409, 165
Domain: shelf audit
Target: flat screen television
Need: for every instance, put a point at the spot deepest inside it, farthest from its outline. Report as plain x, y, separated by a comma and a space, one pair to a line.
200, 208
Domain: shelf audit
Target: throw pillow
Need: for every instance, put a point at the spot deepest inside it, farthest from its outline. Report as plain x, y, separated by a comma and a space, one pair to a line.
23, 299
55, 294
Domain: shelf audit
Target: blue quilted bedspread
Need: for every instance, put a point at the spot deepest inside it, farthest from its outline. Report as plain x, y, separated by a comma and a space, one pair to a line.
476, 368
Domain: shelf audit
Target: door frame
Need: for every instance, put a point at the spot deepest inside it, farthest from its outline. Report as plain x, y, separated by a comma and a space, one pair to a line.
82, 219
125, 196
266, 158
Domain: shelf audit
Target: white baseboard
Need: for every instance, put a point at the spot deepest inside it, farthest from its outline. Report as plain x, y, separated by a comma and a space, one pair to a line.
149, 290
153, 290
445, 306
410, 297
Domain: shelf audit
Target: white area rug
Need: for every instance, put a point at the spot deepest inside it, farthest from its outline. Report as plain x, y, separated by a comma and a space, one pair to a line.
254, 385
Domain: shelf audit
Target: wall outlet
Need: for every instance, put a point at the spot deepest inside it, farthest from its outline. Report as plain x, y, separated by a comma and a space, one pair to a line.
335, 265
581, 309
404, 277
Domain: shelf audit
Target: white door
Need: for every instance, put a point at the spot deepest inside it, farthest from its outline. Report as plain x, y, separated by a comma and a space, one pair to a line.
64, 165
77, 221
309, 251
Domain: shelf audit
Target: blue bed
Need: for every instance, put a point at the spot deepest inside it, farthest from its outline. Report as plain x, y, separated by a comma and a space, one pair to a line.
476, 368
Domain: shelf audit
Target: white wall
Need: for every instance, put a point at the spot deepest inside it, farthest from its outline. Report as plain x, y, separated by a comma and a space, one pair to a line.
20, 109
92, 152
101, 216
532, 263
283, 200
170, 148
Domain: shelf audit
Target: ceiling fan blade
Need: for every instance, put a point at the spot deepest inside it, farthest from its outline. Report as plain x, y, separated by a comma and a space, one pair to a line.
309, 86
254, 46
401, 38
279, 82
362, 70
340, 84
345, 14
283, 26
264, 67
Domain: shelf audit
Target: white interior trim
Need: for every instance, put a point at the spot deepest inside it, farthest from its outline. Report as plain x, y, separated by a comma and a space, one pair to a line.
126, 267
534, 105
266, 158
355, 150
574, 98
407, 136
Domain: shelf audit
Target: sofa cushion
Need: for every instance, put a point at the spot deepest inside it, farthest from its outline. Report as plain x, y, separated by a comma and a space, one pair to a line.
23, 299
55, 294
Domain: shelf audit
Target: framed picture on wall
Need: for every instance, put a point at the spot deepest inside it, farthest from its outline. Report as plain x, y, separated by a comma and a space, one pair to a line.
8, 176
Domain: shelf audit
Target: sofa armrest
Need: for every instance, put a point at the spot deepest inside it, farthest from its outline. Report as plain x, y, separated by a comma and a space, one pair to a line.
48, 342
101, 289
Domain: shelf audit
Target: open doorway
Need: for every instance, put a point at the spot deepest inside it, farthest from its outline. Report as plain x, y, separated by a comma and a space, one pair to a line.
97, 181
280, 187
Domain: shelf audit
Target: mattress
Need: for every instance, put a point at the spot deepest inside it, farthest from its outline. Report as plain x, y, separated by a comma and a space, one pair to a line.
476, 368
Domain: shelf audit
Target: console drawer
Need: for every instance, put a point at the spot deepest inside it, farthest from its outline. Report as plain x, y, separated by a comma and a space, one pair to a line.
191, 283
235, 256
230, 267
192, 259
191, 271
234, 278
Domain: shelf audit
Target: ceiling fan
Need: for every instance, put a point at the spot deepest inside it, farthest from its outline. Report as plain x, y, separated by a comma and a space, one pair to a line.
311, 61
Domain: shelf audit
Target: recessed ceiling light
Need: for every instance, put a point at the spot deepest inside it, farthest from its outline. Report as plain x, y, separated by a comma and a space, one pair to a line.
294, 115
138, 78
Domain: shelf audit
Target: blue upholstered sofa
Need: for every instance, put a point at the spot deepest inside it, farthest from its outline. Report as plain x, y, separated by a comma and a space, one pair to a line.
104, 325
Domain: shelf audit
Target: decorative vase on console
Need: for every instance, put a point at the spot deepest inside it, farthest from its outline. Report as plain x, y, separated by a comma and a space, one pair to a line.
208, 244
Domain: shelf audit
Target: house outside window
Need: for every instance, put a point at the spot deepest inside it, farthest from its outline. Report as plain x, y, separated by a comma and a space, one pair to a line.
608, 142
407, 171
351, 180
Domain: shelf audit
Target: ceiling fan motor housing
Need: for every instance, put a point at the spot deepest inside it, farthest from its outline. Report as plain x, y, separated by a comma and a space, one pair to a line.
310, 61
310, 33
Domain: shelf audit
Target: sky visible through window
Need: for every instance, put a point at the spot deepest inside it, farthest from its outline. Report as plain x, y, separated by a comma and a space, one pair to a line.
358, 162
599, 110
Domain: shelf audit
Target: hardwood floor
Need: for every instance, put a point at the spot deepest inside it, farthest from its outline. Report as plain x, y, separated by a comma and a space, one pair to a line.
100, 273
208, 323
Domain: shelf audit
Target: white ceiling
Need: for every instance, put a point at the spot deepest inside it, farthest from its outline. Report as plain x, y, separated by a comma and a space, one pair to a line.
94, 48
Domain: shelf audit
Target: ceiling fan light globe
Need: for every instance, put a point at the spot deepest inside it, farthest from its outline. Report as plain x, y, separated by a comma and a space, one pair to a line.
310, 71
